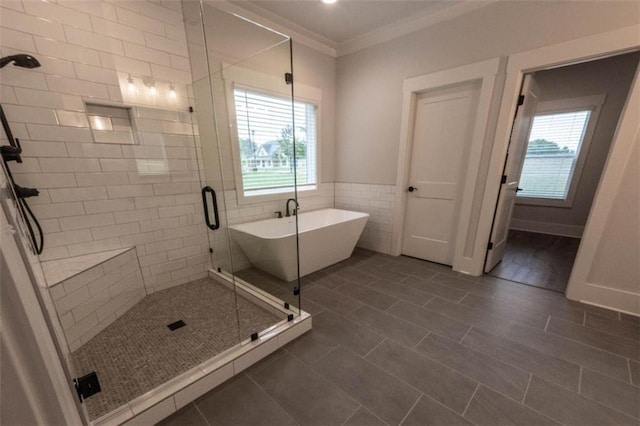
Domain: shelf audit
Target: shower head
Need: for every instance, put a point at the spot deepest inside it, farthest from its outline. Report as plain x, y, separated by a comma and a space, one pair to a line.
20, 60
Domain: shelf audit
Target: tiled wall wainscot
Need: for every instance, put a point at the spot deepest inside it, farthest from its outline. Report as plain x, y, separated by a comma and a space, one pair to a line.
377, 200
94, 298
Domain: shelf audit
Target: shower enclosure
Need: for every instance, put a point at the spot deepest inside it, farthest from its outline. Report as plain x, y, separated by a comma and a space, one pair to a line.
145, 151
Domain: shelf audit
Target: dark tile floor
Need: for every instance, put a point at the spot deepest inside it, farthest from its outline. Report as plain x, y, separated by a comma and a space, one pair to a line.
403, 341
538, 259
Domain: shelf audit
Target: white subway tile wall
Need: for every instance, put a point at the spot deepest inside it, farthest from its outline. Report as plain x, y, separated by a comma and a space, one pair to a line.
377, 200
97, 197
91, 300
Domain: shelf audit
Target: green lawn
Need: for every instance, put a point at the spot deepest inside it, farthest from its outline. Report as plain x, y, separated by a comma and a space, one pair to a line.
274, 177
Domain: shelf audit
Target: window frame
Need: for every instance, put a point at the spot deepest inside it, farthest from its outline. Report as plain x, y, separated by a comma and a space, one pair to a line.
271, 85
594, 105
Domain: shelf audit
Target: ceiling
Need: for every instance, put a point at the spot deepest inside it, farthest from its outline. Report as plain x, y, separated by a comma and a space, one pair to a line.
346, 20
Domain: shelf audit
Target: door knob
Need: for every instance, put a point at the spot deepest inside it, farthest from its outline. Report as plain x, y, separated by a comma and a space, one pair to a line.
518, 189
411, 189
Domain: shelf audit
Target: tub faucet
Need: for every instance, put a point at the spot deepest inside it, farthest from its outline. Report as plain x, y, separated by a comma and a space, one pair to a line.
295, 209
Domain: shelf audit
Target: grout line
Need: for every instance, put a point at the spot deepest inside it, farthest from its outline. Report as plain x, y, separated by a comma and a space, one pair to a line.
464, 297
607, 405
465, 334
630, 375
584, 319
535, 410
471, 399
352, 414
452, 369
372, 349
527, 388
200, 412
427, 302
423, 339
319, 359
411, 409
547, 324
580, 382
270, 396
590, 346
395, 303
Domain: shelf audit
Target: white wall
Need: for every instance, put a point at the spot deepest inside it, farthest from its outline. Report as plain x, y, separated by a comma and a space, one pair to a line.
616, 262
369, 82
590, 78
95, 197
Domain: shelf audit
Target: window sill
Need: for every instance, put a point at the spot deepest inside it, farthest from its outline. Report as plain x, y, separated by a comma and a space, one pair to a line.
277, 194
544, 202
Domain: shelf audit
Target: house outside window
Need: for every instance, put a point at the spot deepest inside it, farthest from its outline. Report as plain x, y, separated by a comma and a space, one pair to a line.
559, 140
265, 135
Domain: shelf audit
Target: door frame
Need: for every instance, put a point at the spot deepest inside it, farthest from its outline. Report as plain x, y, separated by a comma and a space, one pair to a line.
484, 72
589, 48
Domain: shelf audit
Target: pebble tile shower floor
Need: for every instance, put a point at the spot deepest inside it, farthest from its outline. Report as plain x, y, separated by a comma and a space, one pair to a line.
139, 352
397, 340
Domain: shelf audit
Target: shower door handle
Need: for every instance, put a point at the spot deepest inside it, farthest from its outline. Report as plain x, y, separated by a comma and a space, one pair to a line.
216, 224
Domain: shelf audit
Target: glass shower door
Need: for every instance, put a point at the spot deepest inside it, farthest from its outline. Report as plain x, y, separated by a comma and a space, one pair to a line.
248, 124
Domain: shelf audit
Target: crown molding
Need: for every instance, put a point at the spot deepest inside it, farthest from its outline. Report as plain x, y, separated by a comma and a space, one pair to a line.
408, 25
299, 34
272, 21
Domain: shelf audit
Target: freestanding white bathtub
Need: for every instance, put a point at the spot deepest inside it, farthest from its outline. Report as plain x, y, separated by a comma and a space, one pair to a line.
326, 237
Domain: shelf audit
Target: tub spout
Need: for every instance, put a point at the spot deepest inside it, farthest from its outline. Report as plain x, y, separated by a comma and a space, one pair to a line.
295, 208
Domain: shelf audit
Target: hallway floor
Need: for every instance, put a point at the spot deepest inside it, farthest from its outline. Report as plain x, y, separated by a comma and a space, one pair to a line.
536, 259
403, 341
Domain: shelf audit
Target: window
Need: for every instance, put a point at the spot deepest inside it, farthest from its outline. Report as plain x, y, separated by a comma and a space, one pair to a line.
265, 142
558, 142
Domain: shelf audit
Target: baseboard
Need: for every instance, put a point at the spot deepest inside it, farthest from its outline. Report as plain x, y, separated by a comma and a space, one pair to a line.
611, 298
547, 228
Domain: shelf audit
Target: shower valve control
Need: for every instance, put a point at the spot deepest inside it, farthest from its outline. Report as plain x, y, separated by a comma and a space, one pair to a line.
11, 153
22, 192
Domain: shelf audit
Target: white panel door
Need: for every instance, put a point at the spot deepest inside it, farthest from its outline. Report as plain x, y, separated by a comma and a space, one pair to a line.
442, 134
512, 169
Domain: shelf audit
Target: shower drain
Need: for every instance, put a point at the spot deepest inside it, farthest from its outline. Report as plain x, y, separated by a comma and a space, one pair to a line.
176, 325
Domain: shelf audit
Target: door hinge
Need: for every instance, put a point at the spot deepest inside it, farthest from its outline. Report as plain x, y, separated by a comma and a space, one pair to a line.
288, 78
190, 109
520, 100
503, 179
490, 246
87, 385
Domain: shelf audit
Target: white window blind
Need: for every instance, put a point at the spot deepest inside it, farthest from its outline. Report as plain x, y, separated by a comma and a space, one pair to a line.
265, 138
554, 145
